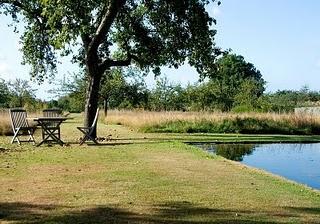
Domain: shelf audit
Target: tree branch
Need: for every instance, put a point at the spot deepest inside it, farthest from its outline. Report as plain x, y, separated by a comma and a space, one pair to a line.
114, 63
86, 41
15, 3
105, 25
35, 12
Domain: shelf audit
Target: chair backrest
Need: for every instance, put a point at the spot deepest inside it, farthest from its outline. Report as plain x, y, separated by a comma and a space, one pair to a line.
95, 120
52, 112
18, 118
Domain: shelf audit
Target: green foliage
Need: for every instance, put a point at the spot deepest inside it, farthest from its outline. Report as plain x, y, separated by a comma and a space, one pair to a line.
71, 93
238, 125
23, 95
152, 34
104, 34
235, 82
124, 89
19, 93
4, 94
167, 96
234, 152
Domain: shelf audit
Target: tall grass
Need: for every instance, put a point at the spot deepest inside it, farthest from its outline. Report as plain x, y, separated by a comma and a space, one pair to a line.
216, 122
5, 123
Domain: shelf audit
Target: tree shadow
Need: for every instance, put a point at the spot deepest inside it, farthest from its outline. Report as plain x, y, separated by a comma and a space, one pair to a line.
109, 144
171, 212
306, 210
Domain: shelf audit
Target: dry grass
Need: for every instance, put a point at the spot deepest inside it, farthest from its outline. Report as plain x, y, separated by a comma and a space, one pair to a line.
5, 123
140, 119
145, 182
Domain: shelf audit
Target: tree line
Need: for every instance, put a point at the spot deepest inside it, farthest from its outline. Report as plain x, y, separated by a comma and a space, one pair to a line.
236, 86
18, 93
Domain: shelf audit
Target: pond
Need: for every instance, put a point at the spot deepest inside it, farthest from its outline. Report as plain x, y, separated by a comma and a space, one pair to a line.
298, 162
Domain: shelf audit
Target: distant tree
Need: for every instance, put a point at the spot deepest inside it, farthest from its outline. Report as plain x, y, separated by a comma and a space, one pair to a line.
167, 95
124, 89
70, 92
232, 71
112, 33
4, 94
248, 96
22, 93
284, 100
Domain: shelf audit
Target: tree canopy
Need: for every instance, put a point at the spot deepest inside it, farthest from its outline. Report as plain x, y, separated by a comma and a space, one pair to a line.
235, 77
148, 33
151, 33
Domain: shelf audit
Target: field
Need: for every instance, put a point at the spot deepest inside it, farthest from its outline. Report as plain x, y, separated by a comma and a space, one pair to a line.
209, 122
137, 177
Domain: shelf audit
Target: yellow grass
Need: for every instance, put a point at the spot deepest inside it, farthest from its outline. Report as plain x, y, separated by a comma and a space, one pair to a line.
5, 123
138, 119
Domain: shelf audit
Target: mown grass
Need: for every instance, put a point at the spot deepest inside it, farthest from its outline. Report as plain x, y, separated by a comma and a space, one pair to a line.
142, 178
198, 122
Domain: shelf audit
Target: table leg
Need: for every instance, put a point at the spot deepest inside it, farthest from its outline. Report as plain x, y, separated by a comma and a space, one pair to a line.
50, 134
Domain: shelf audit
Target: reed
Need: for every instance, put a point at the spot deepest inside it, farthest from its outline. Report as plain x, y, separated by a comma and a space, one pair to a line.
176, 121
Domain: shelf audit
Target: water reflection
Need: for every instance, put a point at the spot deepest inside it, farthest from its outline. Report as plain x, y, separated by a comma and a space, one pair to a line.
299, 162
234, 152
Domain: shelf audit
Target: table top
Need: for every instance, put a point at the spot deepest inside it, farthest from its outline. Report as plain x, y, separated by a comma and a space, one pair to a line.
49, 118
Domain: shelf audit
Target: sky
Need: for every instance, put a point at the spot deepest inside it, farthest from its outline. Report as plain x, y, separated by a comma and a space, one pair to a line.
281, 38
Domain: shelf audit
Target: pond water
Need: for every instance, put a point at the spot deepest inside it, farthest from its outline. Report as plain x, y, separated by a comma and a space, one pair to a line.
298, 162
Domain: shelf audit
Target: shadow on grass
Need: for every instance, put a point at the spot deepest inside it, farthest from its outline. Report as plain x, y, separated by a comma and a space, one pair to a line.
306, 210
172, 213
109, 144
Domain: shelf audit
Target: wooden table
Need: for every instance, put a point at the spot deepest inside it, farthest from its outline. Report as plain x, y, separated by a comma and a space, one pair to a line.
49, 125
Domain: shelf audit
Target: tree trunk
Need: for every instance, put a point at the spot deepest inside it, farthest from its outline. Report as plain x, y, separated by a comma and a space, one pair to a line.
92, 99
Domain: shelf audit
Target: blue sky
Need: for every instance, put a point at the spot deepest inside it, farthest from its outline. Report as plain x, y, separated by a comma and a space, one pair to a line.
281, 38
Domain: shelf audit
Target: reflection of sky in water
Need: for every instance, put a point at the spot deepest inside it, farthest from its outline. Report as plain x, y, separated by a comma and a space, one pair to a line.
298, 162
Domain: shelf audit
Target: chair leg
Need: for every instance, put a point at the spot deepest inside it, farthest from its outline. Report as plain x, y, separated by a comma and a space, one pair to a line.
15, 137
31, 137
83, 140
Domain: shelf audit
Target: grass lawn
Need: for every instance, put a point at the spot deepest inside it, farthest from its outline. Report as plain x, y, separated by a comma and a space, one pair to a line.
144, 178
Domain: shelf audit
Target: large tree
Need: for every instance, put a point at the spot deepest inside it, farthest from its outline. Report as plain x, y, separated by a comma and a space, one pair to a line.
108, 33
231, 74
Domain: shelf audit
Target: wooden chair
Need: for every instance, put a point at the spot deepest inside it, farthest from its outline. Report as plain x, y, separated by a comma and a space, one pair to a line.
52, 126
20, 126
52, 112
87, 131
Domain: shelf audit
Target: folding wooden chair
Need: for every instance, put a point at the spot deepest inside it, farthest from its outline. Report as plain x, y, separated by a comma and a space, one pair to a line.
52, 126
20, 126
52, 112
87, 131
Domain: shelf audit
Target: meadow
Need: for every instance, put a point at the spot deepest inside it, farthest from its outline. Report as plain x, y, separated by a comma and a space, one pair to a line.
136, 177
216, 122
202, 122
